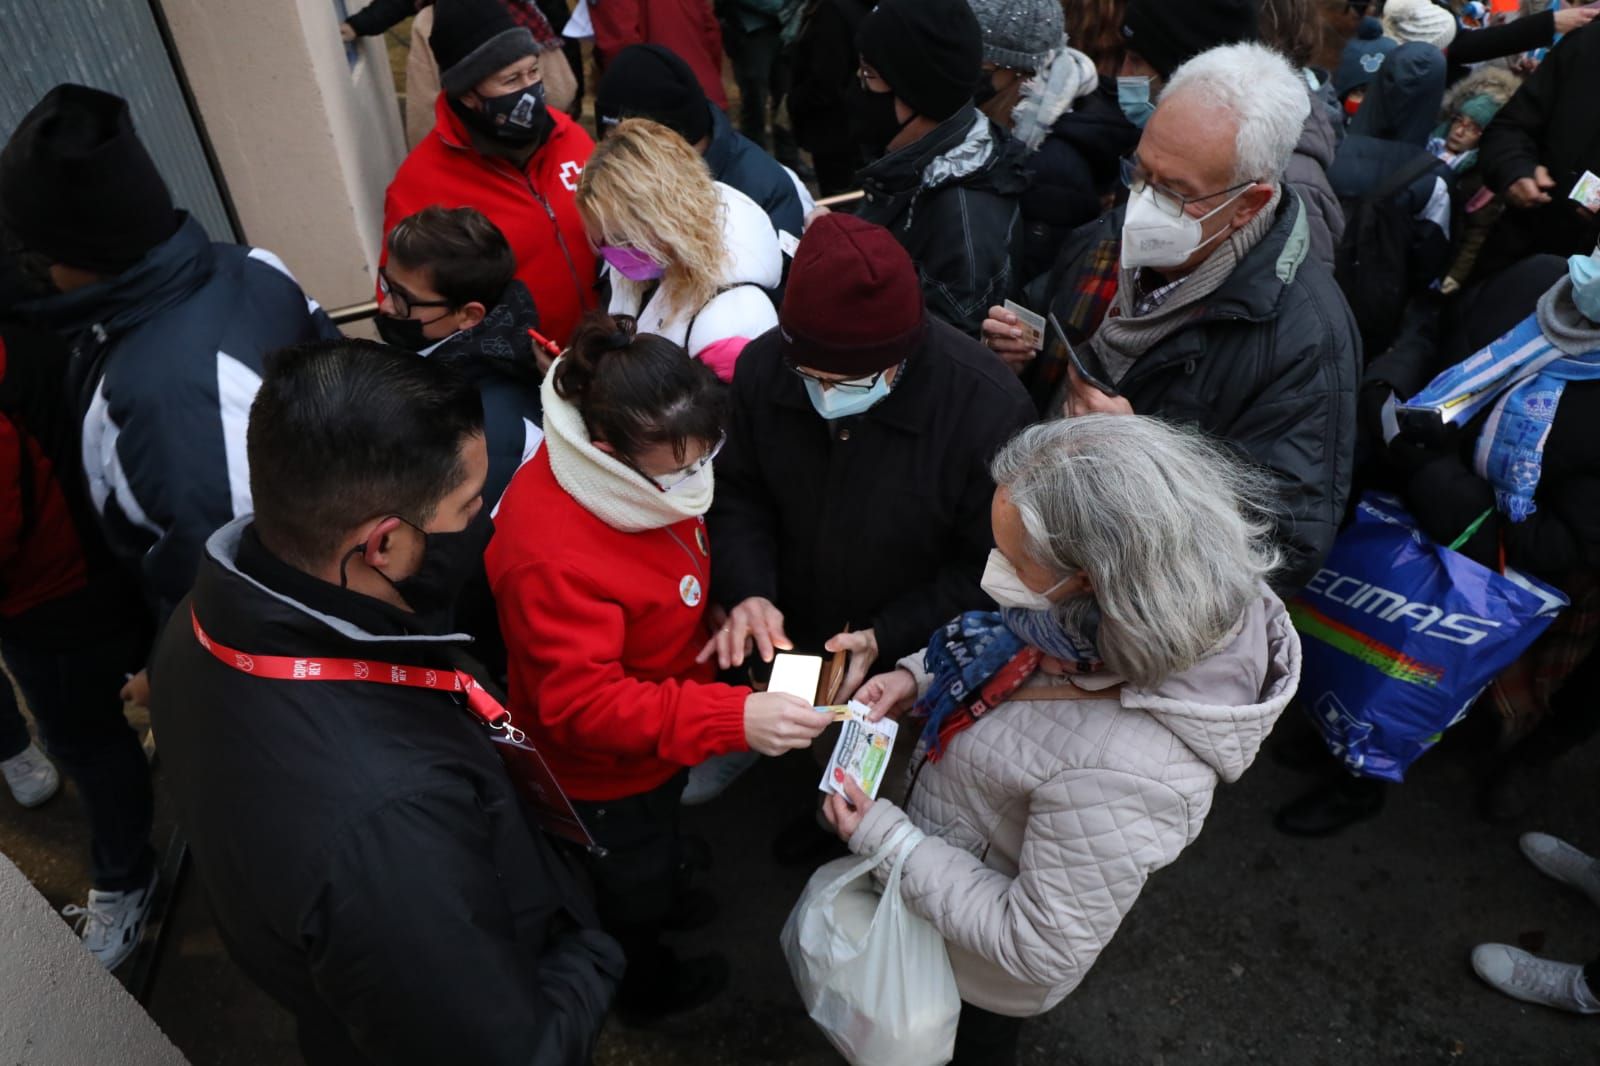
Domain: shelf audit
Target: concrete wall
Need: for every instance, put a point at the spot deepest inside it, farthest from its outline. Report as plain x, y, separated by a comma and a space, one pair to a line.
61, 1006
306, 142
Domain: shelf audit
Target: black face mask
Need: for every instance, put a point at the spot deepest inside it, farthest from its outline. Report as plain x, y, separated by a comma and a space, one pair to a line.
984, 91
404, 332
517, 119
448, 563
873, 121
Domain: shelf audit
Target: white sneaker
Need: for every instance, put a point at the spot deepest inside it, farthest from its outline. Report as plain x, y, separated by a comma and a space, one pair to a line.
113, 921
1534, 980
711, 778
1557, 859
31, 777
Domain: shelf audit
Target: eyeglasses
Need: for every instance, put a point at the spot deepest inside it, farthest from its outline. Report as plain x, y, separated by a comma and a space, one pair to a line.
1169, 202
404, 302
688, 473
843, 385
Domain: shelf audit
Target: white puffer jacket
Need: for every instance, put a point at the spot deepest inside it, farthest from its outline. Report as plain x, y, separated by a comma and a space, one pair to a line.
741, 310
1044, 819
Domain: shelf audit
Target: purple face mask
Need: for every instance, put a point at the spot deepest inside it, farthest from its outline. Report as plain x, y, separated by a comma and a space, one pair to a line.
631, 263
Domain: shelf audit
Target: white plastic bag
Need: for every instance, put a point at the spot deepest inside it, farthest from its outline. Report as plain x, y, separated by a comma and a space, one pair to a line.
874, 977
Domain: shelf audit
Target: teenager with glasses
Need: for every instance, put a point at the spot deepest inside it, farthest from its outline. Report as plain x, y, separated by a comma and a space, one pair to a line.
602, 573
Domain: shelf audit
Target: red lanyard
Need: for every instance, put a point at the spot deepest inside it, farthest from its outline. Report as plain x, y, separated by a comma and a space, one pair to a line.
483, 706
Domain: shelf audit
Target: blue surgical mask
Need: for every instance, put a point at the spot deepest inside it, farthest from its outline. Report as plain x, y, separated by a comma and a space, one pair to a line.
1585, 273
842, 403
1133, 96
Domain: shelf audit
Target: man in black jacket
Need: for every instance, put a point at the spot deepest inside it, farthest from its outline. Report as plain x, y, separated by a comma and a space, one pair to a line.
365, 856
168, 329
1222, 318
947, 180
1535, 152
854, 487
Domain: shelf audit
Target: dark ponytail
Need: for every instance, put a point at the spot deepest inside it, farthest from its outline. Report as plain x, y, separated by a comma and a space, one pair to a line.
636, 391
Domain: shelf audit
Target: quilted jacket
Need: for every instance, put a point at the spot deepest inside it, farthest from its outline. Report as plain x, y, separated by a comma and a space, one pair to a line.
1044, 819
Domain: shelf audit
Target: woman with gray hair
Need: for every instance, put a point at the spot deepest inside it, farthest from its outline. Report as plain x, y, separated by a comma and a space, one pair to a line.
1073, 740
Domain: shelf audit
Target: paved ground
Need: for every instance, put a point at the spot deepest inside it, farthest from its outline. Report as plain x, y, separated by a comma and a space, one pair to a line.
1252, 948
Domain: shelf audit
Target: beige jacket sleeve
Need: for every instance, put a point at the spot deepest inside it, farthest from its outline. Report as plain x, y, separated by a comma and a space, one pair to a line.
1092, 839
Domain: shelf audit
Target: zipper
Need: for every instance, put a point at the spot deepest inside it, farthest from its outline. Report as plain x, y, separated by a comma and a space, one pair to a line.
694, 561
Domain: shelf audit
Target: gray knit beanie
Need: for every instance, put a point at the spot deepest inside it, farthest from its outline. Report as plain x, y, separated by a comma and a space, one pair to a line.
1020, 34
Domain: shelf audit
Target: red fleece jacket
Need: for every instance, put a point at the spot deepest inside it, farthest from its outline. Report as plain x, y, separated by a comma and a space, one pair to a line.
602, 628
536, 208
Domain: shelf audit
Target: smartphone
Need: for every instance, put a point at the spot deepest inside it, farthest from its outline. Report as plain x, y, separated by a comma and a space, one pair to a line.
1092, 375
796, 675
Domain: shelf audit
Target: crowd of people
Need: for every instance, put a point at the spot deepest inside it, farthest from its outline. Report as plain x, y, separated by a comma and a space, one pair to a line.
1034, 422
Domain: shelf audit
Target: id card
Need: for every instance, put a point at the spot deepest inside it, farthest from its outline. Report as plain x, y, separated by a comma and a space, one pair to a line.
1587, 191
1032, 324
862, 751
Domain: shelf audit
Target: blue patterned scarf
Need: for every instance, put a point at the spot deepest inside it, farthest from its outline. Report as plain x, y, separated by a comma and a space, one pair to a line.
1519, 378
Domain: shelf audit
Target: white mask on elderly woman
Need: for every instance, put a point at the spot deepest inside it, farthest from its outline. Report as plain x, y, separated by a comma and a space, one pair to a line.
1004, 585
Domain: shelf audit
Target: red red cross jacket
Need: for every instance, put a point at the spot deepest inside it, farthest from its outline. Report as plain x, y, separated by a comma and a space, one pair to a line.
601, 629
535, 207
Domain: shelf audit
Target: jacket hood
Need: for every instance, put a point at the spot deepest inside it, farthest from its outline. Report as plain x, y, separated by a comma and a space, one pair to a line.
965, 149
1319, 137
1402, 102
1495, 82
167, 275
499, 345
754, 257
1223, 707
270, 611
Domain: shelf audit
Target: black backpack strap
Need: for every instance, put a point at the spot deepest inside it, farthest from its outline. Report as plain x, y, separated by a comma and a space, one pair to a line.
688, 334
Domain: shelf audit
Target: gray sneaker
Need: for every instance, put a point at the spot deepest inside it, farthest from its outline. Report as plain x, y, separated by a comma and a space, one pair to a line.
31, 777
1557, 859
1534, 980
113, 921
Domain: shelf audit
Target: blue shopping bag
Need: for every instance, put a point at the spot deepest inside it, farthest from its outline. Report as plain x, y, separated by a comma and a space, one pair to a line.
1399, 635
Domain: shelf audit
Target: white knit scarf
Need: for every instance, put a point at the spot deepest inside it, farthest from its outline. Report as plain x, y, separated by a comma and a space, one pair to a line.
605, 486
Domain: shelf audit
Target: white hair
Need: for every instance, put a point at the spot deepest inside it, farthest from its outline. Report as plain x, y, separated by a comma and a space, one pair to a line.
1172, 529
1260, 89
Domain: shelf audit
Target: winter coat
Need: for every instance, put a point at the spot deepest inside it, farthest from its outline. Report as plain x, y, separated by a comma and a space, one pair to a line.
59, 585
167, 357
737, 161
1044, 819
1444, 492
1078, 163
952, 199
1524, 34
1307, 175
687, 27
497, 356
534, 207
1550, 122
365, 857
603, 627
880, 520
1268, 364
717, 331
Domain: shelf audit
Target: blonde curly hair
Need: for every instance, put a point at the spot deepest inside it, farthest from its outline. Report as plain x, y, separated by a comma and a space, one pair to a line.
645, 188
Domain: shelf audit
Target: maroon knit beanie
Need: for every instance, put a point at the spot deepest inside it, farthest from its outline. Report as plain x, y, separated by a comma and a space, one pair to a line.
853, 304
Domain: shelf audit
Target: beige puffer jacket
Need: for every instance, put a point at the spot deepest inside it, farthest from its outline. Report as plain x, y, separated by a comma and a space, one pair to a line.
1044, 819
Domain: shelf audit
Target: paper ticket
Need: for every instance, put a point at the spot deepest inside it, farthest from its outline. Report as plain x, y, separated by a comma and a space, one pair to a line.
1587, 191
862, 751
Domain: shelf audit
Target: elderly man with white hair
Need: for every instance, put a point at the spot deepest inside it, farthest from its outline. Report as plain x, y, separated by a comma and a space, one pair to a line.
1072, 741
1221, 317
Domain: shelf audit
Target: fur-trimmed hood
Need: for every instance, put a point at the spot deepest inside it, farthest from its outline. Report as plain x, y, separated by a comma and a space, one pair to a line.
1496, 82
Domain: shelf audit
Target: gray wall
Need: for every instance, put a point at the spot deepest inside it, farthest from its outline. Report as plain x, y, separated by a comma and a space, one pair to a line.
60, 1005
113, 45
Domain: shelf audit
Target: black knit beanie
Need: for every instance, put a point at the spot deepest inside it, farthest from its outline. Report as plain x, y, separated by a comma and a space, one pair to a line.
1169, 33
929, 51
472, 39
78, 187
652, 81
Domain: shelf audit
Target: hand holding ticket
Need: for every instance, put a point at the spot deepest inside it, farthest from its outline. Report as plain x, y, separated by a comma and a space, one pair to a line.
862, 752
